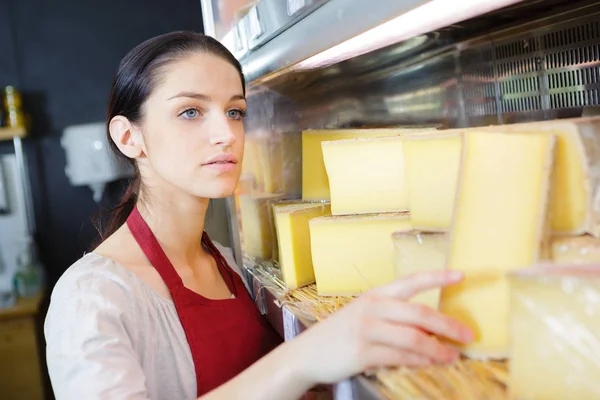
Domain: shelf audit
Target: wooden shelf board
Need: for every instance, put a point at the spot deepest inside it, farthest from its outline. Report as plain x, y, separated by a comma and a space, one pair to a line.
9, 133
23, 307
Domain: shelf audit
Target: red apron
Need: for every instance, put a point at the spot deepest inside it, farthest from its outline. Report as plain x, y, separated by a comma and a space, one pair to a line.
225, 336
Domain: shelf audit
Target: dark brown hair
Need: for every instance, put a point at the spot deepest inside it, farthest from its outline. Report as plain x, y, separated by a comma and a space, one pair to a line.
136, 78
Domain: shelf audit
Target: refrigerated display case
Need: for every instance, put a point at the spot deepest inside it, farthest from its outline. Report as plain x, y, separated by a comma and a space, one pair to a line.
355, 64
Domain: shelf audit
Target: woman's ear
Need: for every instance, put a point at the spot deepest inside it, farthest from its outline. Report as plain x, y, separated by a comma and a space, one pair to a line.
126, 136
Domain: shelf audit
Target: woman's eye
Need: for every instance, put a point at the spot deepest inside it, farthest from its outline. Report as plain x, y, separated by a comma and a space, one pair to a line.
236, 114
190, 114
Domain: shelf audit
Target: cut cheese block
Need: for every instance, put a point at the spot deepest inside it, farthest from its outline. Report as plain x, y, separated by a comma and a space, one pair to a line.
280, 158
256, 233
291, 164
315, 184
576, 250
272, 164
555, 333
274, 206
252, 172
293, 236
366, 176
432, 165
576, 197
418, 251
499, 224
352, 254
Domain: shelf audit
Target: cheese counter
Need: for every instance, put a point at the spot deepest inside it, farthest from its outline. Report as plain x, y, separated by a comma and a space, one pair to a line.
473, 148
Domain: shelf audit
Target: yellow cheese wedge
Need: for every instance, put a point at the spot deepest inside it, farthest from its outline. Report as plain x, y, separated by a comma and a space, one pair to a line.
432, 165
366, 176
293, 236
256, 233
315, 184
555, 333
352, 254
499, 224
280, 159
419, 251
291, 164
575, 209
576, 250
274, 206
252, 171
273, 164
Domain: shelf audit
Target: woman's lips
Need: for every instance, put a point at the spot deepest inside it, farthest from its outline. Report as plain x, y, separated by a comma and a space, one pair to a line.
222, 162
222, 166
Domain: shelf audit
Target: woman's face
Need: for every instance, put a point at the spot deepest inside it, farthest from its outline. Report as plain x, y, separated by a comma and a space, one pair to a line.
193, 136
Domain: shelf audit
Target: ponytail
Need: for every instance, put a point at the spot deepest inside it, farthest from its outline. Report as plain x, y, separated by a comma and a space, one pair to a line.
118, 214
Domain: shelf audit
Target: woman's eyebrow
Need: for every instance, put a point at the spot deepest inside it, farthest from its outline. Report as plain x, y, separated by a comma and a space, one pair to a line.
204, 97
192, 95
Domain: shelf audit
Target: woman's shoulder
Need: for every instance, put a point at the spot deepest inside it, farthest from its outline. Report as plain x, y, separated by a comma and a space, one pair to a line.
95, 274
92, 275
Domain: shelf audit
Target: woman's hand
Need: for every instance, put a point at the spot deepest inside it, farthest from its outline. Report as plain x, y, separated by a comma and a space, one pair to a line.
381, 328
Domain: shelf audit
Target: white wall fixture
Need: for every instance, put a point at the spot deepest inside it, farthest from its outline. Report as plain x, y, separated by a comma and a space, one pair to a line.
90, 161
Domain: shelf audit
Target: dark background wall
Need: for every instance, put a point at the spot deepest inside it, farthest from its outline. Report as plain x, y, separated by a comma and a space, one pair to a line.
62, 55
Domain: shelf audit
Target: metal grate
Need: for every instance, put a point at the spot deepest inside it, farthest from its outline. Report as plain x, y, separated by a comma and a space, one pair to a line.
527, 76
477, 80
537, 72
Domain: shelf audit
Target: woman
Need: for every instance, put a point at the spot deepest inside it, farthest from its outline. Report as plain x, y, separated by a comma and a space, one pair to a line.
158, 311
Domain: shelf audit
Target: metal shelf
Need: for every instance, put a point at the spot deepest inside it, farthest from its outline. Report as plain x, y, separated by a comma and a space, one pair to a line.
289, 323
342, 27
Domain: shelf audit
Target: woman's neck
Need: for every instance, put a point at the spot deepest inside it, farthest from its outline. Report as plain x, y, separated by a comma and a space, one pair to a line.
177, 224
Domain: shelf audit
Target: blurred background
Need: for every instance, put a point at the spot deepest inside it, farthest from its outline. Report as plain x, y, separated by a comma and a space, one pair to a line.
57, 60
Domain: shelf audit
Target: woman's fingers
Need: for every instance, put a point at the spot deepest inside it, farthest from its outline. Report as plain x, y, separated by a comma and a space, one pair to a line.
406, 338
411, 285
379, 356
422, 317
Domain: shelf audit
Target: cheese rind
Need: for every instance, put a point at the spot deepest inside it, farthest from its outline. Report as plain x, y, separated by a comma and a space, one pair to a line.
315, 184
499, 223
366, 176
274, 205
256, 231
555, 333
576, 250
432, 165
352, 254
293, 237
575, 204
419, 251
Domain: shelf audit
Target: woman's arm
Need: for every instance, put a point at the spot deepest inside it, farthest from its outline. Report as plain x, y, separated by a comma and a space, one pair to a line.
377, 330
279, 375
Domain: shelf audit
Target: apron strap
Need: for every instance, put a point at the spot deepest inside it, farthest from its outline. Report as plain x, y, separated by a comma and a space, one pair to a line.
147, 241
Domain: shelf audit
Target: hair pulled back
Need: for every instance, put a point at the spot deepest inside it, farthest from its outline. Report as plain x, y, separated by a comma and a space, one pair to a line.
135, 79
